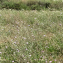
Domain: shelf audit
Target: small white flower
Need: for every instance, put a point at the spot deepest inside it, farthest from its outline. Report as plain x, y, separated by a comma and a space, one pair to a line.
35, 18
50, 61
26, 49
13, 25
26, 42
28, 25
24, 38
29, 55
6, 46
2, 29
15, 37
44, 35
27, 62
60, 24
14, 42
0, 15
55, 59
31, 28
12, 61
34, 39
0, 57
0, 52
32, 35
24, 59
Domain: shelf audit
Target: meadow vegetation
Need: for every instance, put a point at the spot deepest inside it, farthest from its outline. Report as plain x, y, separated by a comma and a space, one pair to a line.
31, 4
31, 36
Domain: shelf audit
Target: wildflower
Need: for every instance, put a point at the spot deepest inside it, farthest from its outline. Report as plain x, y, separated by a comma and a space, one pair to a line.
0, 14
6, 46
55, 59
26, 42
17, 26
50, 61
60, 24
29, 55
2, 29
13, 25
28, 25
15, 37
18, 30
32, 35
10, 9
35, 59
42, 51
46, 61
17, 50
11, 39
44, 35
31, 28
14, 42
35, 18
0, 57
61, 13
12, 61
22, 55
26, 49
0, 52
24, 38
24, 59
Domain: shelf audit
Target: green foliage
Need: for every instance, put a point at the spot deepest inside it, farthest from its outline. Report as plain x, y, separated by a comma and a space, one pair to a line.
7, 5
57, 5
31, 5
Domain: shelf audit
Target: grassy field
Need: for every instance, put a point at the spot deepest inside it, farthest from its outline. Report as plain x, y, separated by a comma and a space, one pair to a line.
31, 36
